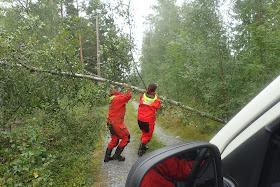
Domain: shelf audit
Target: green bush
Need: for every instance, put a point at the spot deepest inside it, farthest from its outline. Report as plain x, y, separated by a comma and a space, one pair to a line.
25, 159
51, 149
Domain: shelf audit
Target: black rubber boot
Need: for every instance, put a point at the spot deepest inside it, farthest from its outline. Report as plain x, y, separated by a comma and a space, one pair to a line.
108, 155
142, 149
117, 155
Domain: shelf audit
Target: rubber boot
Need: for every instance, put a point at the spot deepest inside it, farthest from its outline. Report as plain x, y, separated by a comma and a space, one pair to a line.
108, 155
142, 149
117, 155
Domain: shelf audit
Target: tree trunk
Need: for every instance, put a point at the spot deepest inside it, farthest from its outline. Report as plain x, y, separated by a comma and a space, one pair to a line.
224, 89
260, 23
100, 79
81, 51
97, 48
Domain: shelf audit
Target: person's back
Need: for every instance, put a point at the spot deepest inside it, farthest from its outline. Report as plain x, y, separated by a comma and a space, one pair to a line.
149, 103
117, 107
147, 107
116, 126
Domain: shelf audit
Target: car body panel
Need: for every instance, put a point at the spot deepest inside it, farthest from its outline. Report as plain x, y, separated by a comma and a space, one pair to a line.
251, 163
260, 123
250, 113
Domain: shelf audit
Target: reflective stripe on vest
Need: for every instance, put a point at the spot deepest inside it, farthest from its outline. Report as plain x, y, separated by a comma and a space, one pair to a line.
147, 100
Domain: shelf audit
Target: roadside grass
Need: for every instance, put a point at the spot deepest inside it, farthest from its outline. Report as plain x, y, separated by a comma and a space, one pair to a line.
99, 152
189, 126
79, 159
98, 155
183, 123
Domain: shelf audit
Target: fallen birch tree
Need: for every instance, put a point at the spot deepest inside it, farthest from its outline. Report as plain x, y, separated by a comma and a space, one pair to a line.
100, 79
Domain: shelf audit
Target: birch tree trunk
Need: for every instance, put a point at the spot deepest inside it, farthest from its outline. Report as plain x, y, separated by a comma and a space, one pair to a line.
100, 79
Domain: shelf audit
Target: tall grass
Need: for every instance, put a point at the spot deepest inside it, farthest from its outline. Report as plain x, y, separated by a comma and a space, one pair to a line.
188, 126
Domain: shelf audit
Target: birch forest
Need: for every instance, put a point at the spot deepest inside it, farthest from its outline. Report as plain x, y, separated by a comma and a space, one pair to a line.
208, 59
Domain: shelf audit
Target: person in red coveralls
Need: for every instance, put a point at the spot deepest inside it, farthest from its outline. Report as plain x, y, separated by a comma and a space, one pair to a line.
169, 173
149, 103
115, 123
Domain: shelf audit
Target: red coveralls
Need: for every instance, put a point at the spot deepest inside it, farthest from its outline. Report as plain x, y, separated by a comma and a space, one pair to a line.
115, 121
166, 172
147, 117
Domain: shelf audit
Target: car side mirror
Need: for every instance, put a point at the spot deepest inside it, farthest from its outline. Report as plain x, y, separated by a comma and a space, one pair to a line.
186, 164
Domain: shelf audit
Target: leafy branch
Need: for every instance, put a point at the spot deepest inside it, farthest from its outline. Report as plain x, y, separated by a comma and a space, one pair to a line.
100, 79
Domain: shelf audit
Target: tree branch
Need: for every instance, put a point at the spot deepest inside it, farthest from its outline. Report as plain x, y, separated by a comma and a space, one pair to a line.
100, 79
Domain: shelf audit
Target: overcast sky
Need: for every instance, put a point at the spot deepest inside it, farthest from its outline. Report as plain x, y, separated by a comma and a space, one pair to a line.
140, 9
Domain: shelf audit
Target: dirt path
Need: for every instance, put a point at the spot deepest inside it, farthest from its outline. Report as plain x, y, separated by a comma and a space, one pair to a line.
162, 136
116, 172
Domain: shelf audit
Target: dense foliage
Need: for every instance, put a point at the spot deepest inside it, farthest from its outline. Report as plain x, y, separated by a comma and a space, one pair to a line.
214, 64
51, 125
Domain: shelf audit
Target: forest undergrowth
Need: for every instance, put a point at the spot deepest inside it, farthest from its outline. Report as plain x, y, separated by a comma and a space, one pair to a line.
52, 150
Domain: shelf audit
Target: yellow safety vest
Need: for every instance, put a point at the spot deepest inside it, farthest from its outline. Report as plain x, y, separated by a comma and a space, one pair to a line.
147, 100
109, 100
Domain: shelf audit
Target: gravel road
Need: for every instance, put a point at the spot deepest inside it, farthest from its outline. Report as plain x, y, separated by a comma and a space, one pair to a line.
116, 172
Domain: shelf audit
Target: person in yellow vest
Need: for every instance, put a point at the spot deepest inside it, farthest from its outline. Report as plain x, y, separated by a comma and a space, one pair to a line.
149, 103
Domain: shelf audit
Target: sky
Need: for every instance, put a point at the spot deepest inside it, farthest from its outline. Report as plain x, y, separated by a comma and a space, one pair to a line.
140, 9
